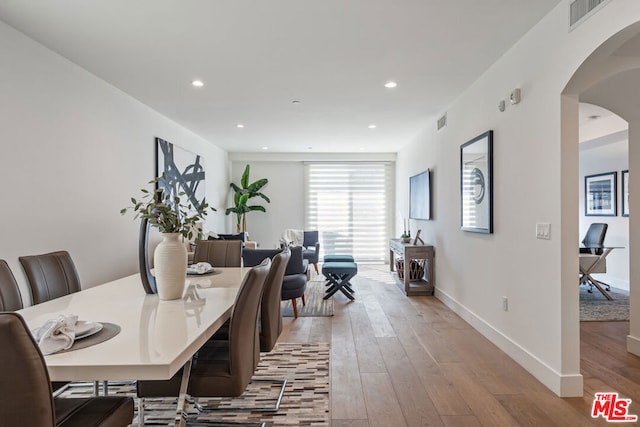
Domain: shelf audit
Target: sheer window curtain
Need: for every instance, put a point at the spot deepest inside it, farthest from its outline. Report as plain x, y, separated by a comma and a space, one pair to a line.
351, 206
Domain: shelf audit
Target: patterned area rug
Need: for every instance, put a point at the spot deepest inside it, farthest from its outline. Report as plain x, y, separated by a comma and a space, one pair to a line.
305, 401
315, 306
595, 307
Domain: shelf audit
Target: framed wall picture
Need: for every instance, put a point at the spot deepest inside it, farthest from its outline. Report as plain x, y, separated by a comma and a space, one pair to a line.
476, 184
600, 194
625, 192
184, 171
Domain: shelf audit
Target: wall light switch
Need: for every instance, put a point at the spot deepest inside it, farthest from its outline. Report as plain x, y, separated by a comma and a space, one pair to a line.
543, 230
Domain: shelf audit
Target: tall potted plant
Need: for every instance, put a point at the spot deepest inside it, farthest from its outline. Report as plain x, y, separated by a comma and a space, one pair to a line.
173, 219
242, 194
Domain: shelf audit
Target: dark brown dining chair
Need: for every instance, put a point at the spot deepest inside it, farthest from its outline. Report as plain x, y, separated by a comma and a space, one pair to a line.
223, 368
10, 299
25, 391
219, 253
50, 276
270, 324
270, 310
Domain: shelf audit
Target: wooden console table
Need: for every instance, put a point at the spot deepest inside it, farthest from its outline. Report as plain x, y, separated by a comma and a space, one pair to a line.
408, 251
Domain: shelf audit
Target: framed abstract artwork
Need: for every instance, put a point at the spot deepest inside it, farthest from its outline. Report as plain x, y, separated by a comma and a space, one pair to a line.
600, 194
476, 184
625, 192
184, 171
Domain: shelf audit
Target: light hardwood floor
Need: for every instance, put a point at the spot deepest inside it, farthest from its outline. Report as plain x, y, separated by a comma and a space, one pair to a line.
399, 361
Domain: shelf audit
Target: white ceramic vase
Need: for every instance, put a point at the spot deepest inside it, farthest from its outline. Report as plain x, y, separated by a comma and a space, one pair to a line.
170, 266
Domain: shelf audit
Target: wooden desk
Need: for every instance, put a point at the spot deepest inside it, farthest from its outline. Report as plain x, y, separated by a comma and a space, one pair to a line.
408, 251
157, 338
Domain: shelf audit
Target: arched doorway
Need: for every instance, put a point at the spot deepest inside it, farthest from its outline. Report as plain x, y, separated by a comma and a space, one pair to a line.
609, 77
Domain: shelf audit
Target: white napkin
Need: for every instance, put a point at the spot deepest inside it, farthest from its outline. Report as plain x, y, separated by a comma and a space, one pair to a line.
56, 334
201, 267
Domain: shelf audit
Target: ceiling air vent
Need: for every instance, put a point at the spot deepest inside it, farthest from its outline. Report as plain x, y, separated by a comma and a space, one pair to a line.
579, 10
442, 122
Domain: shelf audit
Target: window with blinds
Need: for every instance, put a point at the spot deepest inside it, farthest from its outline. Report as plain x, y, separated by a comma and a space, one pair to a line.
350, 204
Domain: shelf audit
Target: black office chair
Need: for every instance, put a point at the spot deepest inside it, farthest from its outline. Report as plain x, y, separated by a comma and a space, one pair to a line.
593, 243
594, 239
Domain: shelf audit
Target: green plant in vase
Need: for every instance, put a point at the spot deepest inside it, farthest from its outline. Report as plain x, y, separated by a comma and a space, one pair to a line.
242, 194
173, 218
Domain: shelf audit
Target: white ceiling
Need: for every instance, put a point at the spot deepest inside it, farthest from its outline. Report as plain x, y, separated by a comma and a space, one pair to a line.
256, 57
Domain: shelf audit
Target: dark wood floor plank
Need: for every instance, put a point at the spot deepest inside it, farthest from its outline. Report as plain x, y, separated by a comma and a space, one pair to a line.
484, 405
383, 408
434, 356
347, 398
320, 329
414, 400
460, 421
368, 353
526, 411
349, 423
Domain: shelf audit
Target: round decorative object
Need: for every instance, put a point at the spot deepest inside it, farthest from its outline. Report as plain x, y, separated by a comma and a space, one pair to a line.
406, 239
170, 261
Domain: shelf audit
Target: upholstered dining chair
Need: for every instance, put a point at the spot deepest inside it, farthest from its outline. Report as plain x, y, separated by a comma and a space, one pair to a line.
53, 275
222, 368
25, 393
294, 282
50, 276
219, 253
270, 312
10, 299
311, 248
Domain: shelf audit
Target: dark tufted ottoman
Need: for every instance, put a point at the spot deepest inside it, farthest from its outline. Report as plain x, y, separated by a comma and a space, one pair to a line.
338, 274
338, 258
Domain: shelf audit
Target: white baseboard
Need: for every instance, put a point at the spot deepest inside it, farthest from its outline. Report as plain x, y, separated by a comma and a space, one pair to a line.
633, 345
562, 385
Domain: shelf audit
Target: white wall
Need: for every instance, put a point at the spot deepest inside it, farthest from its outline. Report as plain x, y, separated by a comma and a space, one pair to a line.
74, 149
285, 172
286, 192
475, 271
608, 154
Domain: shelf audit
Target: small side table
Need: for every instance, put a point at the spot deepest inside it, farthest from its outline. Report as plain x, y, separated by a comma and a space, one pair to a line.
409, 251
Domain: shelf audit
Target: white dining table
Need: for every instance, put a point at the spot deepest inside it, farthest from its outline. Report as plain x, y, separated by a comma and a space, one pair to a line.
157, 338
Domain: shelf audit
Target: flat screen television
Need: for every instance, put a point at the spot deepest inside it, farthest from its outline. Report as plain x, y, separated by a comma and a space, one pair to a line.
420, 196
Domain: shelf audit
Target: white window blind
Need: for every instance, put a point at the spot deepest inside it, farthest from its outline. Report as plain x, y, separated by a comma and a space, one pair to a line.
350, 204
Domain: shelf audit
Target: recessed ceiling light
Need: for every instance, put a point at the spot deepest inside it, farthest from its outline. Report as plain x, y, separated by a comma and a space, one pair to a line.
372, 126
361, 148
594, 117
239, 125
390, 85
265, 148
197, 83
295, 101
